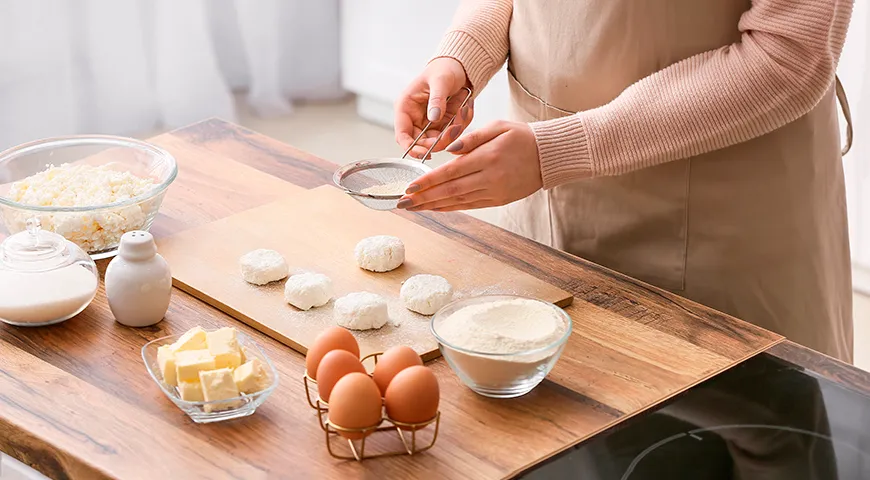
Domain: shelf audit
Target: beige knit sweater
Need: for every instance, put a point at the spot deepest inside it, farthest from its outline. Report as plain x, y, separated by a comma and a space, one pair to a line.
781, 68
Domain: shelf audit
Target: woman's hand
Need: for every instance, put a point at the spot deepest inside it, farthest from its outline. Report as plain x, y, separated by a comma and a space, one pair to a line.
498, 164
426, 99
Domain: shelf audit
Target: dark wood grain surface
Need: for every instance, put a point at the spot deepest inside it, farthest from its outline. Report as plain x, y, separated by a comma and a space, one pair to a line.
75, 400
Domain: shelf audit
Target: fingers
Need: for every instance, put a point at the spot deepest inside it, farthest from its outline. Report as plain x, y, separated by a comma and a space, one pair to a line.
453, 191
439, 89
472, 140
404, 126
467, 206
451, 170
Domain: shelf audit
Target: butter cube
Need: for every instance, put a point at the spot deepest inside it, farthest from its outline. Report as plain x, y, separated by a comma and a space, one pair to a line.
166, 362
193, 339
224, 347
244, 354
190, 391
251, 376
188, 364
219, 385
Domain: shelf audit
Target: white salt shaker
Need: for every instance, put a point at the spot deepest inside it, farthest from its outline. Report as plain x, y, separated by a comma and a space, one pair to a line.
138, 281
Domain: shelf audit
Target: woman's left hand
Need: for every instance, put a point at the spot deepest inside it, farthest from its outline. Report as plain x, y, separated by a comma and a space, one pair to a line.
498, 164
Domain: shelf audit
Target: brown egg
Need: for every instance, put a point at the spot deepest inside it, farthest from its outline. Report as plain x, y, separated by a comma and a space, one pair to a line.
355, 403
392, 362
333, 338
333, 366
412, 396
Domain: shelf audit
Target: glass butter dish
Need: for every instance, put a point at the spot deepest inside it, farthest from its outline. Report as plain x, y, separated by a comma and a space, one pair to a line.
216, 410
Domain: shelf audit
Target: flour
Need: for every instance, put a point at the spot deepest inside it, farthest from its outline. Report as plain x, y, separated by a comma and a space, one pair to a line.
394, 188
502, 326
28, 298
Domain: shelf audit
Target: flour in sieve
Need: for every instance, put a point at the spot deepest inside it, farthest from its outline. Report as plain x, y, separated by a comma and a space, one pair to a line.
394, 188
502, 326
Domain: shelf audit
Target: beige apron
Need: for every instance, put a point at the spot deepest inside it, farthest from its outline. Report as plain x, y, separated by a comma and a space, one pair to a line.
757, 230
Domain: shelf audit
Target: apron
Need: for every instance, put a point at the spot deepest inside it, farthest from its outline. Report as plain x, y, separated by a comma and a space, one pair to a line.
756, 230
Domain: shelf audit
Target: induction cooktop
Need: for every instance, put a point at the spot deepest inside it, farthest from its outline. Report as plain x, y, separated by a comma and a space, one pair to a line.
763, 419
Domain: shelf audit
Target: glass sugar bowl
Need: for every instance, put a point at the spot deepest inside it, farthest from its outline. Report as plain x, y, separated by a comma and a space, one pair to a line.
44, 278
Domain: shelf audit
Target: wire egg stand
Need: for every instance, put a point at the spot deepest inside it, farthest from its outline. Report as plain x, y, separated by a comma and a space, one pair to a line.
411, 446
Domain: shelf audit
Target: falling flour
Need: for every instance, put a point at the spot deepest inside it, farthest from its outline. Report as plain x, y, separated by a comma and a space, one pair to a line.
502, 326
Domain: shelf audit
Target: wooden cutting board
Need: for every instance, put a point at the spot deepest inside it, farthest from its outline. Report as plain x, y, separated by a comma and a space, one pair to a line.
317, 230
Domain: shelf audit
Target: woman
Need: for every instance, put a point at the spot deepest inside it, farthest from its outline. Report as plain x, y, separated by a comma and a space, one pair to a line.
693, 145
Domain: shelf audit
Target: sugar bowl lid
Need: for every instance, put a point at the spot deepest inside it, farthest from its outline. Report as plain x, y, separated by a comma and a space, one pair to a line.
37, 250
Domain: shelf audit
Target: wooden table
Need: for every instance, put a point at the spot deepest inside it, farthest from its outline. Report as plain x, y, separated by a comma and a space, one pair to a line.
75, 401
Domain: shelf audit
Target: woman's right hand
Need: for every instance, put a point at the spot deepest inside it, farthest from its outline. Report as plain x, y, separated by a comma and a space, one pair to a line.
426, 99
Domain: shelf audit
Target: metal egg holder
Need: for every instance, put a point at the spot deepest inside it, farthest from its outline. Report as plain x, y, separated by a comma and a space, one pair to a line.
359, 454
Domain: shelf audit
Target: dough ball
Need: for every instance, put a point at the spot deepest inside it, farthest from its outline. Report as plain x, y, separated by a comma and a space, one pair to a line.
361, 311
426, 294
307, 290
263, 266
380, 253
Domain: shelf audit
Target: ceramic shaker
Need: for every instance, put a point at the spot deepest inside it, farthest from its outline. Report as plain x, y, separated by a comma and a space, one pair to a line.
138, 281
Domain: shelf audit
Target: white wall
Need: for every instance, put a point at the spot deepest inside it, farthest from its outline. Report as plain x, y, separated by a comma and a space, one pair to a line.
386, 43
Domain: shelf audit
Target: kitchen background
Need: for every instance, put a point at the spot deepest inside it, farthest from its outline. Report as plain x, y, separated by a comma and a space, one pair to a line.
319, 75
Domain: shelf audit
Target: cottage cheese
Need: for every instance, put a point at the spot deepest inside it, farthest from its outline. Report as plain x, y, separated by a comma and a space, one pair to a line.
83, 186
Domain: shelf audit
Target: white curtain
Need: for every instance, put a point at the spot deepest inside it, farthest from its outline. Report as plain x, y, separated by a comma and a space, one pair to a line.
854, 72
132, 66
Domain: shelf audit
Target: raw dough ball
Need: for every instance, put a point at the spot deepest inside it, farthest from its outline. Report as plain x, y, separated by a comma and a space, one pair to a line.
306, 290
263, 266
426, 294
361, 311
380, 253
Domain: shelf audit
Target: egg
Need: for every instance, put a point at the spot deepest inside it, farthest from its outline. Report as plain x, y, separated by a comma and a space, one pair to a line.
333, 338
392, 362
333, 366
412, 396
355, 403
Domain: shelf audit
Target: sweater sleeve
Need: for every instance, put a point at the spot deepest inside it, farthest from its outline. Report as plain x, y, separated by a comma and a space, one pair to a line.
478, 39
783, 65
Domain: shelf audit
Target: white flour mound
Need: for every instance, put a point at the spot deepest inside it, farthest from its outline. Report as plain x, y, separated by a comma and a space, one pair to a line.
426, 294
263, 266
361, 311
380, 253
307, 290
502, 326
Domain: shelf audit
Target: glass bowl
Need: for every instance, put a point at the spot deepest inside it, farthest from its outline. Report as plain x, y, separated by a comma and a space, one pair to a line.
44, 278
97, 229
247, 403
501, 375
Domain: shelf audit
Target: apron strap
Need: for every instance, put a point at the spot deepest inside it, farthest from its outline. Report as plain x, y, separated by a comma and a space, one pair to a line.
847, 113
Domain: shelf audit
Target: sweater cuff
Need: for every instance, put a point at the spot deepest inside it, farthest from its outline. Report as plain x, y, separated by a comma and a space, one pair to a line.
563, 149
467, 51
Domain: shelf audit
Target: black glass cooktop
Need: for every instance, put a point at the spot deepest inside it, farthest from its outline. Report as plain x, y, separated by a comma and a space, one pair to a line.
764, 419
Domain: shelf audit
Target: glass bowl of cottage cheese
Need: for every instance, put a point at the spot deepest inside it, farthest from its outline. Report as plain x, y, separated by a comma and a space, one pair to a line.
91, 189
501, 346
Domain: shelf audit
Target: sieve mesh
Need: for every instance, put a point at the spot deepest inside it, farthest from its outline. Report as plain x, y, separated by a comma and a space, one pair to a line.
379, 184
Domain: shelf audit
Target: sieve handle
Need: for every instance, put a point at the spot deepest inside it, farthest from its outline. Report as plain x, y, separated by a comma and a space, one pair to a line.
443, 130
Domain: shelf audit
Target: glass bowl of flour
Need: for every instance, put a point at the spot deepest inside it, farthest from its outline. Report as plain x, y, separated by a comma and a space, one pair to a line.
501, 346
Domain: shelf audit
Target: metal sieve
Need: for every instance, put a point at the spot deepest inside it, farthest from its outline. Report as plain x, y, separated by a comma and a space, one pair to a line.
380, 183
